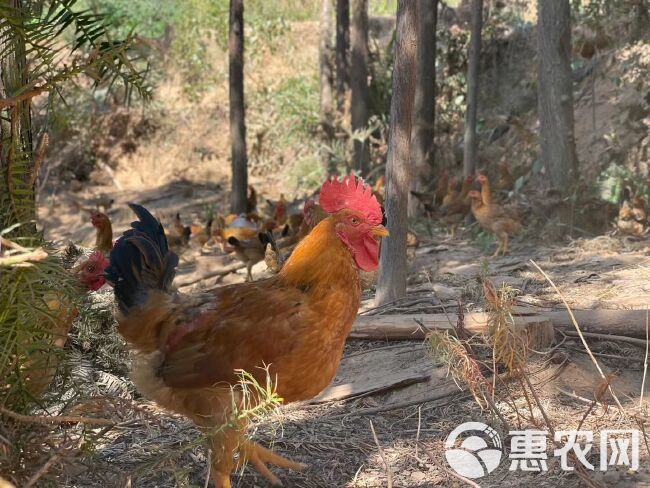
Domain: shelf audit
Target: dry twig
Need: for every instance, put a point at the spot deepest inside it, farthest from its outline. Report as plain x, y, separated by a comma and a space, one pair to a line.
579, 331
645, 360
389, 473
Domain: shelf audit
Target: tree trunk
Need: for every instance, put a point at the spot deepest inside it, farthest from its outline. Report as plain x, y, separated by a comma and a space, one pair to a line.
17, 171
237, 114
326, 80
470, 143
422, 146
393, 267
359, 83
555, 94
342, 48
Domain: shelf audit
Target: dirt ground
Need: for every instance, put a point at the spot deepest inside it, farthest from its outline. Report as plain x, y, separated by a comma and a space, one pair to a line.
412, 415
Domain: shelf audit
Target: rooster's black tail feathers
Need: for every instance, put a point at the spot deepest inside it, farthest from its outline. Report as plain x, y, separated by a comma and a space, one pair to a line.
141, 261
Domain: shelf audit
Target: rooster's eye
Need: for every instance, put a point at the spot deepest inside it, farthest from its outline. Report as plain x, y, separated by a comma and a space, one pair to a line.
354, 221
90, 269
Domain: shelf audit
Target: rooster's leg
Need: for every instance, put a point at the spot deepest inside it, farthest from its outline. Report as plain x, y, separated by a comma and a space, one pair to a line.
259, 456
505, 244
222, 446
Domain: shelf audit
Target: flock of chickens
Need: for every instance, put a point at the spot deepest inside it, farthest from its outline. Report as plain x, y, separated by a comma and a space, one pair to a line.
452, 207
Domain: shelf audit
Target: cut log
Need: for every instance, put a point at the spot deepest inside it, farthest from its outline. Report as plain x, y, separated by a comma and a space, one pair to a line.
403, 327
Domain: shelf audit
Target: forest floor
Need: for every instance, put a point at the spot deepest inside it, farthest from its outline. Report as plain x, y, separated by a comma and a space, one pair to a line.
411, 400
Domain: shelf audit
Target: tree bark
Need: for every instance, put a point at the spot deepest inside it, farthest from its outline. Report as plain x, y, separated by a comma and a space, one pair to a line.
359, 84
237, 111
555, 94
422, 145
326, 80
470, 144
17, 195
342, 48
393, 267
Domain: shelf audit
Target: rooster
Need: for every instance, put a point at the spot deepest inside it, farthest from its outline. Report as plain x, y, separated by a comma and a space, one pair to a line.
495, 219
294, 323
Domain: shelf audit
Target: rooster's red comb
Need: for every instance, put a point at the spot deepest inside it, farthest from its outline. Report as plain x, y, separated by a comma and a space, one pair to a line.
350, 193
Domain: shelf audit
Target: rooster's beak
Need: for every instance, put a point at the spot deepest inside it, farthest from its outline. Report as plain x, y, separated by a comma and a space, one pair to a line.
379, 231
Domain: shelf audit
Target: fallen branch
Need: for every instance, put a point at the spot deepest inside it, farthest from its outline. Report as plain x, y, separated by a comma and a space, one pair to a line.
609, 337
630, 323
389, 473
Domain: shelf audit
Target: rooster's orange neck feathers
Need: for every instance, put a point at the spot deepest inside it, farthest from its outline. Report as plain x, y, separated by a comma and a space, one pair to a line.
321, 259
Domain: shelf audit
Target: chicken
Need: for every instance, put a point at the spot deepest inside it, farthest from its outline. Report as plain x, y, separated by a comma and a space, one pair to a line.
249, 251
430, 201
451, 194
313, 213
632, 215
201, 233
493, 218
179, 234
251, 200
189, 348
487, 198
104, 238
43, 362
294, 222
454, 211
